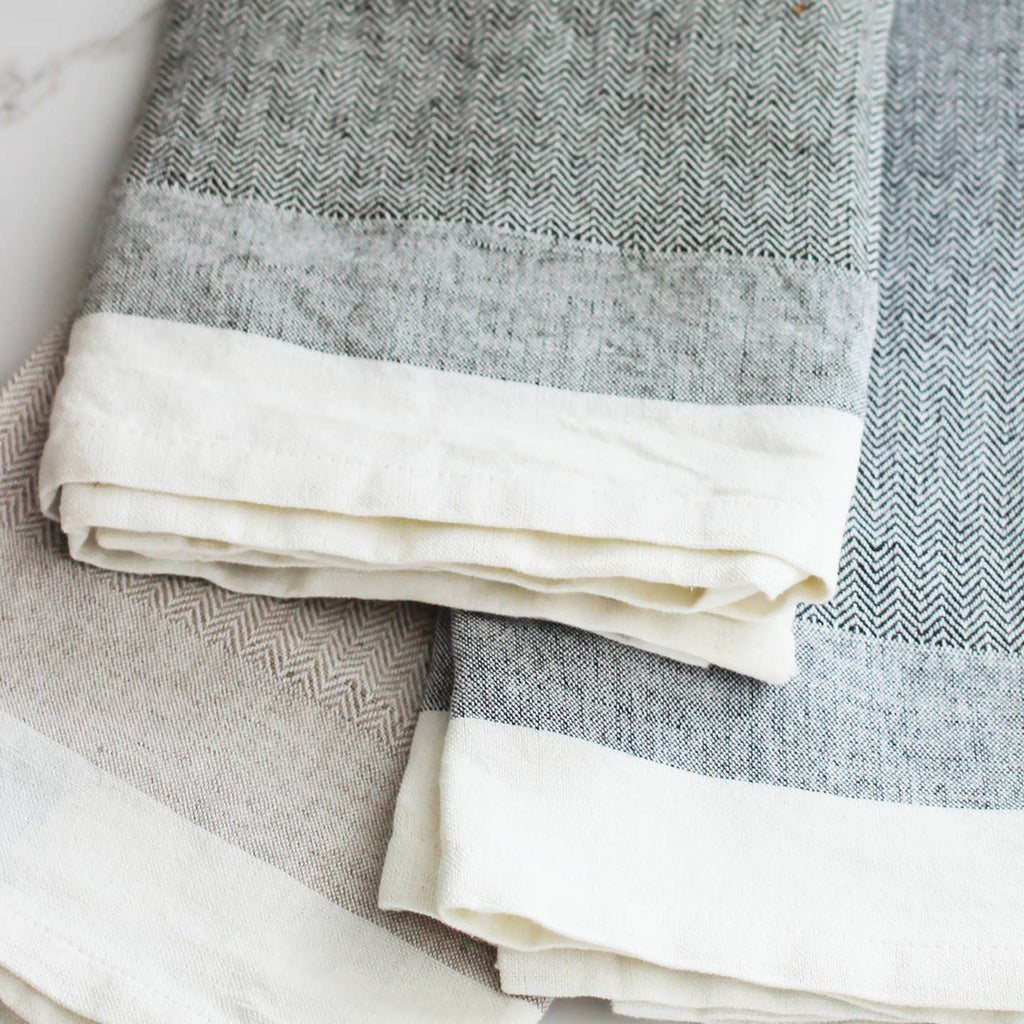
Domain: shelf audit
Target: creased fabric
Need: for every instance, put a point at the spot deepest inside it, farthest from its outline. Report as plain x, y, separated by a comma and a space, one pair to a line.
559, 311
196, 790
697, 846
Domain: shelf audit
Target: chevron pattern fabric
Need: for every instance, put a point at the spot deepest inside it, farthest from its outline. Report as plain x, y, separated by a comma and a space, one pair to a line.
924, 635
651, 126
652, 179
933, 548
362, 660
497, 257
934, 544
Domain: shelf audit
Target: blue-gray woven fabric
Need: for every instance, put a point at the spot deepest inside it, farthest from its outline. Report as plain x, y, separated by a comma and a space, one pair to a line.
912, 680
653, 198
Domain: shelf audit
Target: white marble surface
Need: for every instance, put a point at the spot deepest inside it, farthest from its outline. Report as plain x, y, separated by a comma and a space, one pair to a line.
72, 76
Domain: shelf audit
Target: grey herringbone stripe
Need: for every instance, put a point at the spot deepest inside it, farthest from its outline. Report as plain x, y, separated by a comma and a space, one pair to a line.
935, 546
912, 681
744, 128
460, 299
633, 197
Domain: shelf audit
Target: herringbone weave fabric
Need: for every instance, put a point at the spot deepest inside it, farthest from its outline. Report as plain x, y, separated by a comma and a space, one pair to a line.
633, 126
652, 126
933, 550
550, 310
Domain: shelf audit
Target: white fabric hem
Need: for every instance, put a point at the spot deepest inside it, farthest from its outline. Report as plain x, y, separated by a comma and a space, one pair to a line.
204, 450
116, 909
785, 902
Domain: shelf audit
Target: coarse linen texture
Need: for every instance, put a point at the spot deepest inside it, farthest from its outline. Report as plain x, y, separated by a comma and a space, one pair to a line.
195, 792
697, 846
555, 311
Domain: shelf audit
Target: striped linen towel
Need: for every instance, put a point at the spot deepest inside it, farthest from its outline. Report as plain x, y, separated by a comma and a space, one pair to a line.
196, 789
697, 846
549, 310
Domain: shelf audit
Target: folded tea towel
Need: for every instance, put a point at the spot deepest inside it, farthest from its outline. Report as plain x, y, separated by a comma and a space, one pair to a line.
700, 847
196, 789
554, 310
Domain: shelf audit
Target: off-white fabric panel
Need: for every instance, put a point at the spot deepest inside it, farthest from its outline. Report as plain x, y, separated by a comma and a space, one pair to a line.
267, 467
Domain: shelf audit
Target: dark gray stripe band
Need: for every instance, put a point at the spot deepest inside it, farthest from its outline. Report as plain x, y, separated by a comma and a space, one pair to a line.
867, 719
694, 327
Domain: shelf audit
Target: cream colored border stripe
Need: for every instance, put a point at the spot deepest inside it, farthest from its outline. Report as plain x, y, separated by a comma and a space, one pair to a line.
550, 841
210, 413
117, 909
687, 530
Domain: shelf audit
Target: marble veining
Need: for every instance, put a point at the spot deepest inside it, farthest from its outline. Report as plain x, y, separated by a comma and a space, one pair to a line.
21, 92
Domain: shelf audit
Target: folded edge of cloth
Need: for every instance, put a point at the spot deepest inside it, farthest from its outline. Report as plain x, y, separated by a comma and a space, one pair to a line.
195, 791
791, 894
560, 312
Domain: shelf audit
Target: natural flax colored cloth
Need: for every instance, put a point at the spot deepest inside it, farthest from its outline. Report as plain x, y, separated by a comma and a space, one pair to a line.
196, 790
700, 847
559, 310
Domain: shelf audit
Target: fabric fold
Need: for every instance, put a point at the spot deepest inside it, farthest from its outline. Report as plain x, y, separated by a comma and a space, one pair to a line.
196, 789
499, 315
694, 845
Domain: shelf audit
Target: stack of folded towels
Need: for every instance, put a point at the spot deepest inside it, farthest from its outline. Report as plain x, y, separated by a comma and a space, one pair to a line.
673, 348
